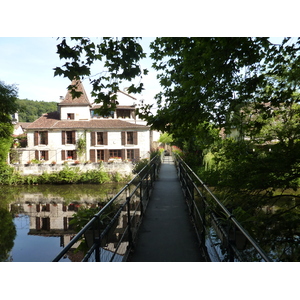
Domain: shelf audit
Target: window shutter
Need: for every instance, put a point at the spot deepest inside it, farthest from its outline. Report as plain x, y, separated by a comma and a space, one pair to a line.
74, 154
93, 155
47, 223
93, 138
37, 223
106, 155
135, 138
105, 138
73, 137
136, 154
63, 137
36, 138
65, 223
63, 155
46, 155
37, 154
46, 137
123, 154
123, 134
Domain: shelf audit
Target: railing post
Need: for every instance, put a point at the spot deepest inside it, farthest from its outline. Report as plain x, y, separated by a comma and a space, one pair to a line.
141, 197
97, 249
130, 240
203, 221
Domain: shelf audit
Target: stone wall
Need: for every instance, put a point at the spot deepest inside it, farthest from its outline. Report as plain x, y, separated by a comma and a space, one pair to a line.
35, 169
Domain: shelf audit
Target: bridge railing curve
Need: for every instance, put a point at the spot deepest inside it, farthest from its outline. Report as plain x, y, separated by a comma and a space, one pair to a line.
112, 240
221, 236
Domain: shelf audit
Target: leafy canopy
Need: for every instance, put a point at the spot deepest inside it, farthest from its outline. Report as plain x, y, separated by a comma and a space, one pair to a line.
120, 57
8, 97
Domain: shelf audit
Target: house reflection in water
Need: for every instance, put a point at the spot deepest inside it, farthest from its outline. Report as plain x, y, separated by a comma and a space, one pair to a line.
50, 216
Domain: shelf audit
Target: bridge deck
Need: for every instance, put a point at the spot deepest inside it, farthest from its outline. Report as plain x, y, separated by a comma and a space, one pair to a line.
166, 233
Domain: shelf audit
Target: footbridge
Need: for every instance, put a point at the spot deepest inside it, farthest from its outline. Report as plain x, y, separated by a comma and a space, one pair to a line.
165, 214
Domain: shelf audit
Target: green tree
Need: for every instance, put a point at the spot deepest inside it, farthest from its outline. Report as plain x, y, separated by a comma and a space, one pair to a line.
30, 110
165, 138
8, 96
120, 57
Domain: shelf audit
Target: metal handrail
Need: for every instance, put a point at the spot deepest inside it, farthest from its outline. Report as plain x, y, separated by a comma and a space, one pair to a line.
230, 217
148, 173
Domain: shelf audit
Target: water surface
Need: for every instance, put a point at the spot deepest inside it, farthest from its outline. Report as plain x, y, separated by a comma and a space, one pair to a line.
34, 224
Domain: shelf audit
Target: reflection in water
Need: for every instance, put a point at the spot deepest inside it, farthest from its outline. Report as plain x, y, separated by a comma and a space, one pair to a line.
7, 235
35, 223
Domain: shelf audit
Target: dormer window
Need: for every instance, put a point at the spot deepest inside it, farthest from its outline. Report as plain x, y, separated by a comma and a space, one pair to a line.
70, 116
123, 113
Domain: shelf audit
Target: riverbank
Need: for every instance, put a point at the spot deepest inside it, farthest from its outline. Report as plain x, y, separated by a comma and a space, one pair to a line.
122, 168
65, 173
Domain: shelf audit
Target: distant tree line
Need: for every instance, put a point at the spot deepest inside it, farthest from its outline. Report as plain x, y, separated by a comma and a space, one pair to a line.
30, 110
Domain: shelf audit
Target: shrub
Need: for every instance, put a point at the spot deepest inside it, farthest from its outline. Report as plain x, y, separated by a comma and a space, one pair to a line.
140, 165
116, 177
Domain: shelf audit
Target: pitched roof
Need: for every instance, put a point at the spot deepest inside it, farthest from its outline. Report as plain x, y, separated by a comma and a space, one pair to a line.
52, 121
81, 101
24, 124
45, 121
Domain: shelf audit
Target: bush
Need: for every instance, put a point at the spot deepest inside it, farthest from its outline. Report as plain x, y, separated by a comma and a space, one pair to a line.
140, 165
116, 177
94, 176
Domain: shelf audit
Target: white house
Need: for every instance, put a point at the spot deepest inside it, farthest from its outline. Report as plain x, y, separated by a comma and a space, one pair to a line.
55, 135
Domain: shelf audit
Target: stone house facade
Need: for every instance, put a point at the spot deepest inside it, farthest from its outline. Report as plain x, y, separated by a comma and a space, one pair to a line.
120, 136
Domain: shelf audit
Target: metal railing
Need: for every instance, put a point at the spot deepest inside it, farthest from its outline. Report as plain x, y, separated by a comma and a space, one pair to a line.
221, 236
107, 241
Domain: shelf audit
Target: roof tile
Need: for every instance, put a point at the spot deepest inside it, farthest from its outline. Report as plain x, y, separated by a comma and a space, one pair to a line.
52, 121
82, 100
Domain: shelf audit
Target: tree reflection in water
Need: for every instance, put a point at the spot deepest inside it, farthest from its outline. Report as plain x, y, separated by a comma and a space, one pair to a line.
272, 219
7, 234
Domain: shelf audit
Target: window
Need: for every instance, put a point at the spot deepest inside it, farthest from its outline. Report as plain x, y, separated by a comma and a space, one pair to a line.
100, 139
40, 138
41, 155
43, 137
100, 155
130, 138
123, 113
115, 153
70, 154
45, 224
130, 154
68, 137
70, 116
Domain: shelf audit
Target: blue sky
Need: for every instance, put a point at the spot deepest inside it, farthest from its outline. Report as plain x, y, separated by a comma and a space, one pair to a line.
28, 62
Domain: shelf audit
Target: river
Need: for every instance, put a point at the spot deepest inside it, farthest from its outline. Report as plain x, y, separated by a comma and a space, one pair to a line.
34, 224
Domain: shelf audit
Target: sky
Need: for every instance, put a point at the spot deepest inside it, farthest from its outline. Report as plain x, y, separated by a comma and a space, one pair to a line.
28, 62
